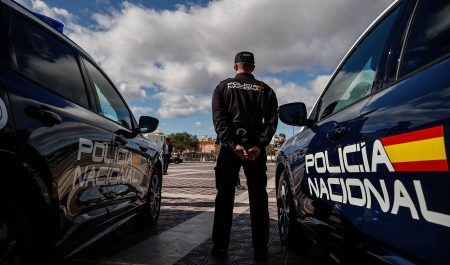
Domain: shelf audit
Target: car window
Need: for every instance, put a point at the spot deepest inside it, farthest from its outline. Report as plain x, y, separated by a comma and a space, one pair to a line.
111, 104
356, 77
47, 61
429, 37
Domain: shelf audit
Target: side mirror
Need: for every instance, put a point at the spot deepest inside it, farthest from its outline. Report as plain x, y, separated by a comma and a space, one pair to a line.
148, 124
293, 114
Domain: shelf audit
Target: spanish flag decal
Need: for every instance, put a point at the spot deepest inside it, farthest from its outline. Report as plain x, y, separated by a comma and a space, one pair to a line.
422, 150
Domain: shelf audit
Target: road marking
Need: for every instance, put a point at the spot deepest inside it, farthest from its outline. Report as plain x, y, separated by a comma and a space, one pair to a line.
190, 165
181, 169
200, 196
187, 173
188, 196
178, 178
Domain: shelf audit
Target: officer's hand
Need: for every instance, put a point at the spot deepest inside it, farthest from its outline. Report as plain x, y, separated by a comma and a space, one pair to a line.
253, 153
240, 151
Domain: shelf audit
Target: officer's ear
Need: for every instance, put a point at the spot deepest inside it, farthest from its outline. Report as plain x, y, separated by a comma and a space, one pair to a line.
235, 67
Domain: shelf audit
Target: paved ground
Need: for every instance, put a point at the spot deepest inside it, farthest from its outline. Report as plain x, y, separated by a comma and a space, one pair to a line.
182, 235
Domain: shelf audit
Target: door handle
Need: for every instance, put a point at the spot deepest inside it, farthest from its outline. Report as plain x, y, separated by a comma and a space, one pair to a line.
337, 133
46, 116
121, 139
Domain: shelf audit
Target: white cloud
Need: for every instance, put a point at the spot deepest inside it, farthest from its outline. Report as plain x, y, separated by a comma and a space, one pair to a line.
53, 12
139, 111
184, 53
25, 3
179, 105
199, 124
291, 92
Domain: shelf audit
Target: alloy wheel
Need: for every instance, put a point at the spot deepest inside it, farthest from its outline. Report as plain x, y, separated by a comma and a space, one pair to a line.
155, 196
283, 208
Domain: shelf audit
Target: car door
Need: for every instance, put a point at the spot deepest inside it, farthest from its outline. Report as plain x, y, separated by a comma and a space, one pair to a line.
130, 161
55, 128
409, 121
328, 183
7, 136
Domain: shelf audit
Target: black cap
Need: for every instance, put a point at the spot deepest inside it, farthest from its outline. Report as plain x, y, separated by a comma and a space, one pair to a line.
244, 57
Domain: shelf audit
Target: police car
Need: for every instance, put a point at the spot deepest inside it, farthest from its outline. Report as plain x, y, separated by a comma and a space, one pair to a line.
74, 163
367, 178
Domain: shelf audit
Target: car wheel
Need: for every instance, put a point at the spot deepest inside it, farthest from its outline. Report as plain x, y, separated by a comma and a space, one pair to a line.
150, 213
18, 242
9, 253
287, 221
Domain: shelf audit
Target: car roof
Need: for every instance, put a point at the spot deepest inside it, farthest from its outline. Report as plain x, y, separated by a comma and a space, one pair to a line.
365, 32
30, 15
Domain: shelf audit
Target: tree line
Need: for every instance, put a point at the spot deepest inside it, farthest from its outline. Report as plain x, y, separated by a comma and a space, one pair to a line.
183, 141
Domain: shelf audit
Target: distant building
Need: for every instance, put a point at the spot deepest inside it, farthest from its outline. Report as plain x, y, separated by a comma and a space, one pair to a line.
208, 145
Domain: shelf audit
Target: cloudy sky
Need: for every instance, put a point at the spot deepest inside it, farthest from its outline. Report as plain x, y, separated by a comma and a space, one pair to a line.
167, 56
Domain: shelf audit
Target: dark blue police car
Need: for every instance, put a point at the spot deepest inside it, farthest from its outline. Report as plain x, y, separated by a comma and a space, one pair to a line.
74, 163
367, 178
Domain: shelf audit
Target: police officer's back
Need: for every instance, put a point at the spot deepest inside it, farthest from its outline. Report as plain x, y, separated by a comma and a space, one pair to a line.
245, 118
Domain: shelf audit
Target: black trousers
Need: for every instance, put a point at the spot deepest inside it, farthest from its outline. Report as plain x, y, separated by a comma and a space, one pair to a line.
227, 170
166, 160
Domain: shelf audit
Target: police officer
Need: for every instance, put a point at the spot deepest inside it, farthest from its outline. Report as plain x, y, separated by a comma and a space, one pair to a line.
281, 139
167, 149
245, 119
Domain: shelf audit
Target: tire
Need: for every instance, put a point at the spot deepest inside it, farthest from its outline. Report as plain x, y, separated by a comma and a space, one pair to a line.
150, 213
19, 243
288, 226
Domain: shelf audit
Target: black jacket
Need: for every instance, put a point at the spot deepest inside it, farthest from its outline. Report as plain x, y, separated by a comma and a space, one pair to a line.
170, 149
245, 103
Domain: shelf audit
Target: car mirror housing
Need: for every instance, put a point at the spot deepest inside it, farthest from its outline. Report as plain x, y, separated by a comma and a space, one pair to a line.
293, 114
148, 124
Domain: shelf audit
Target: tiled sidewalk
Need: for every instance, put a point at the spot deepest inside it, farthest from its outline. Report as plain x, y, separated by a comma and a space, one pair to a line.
240, 250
